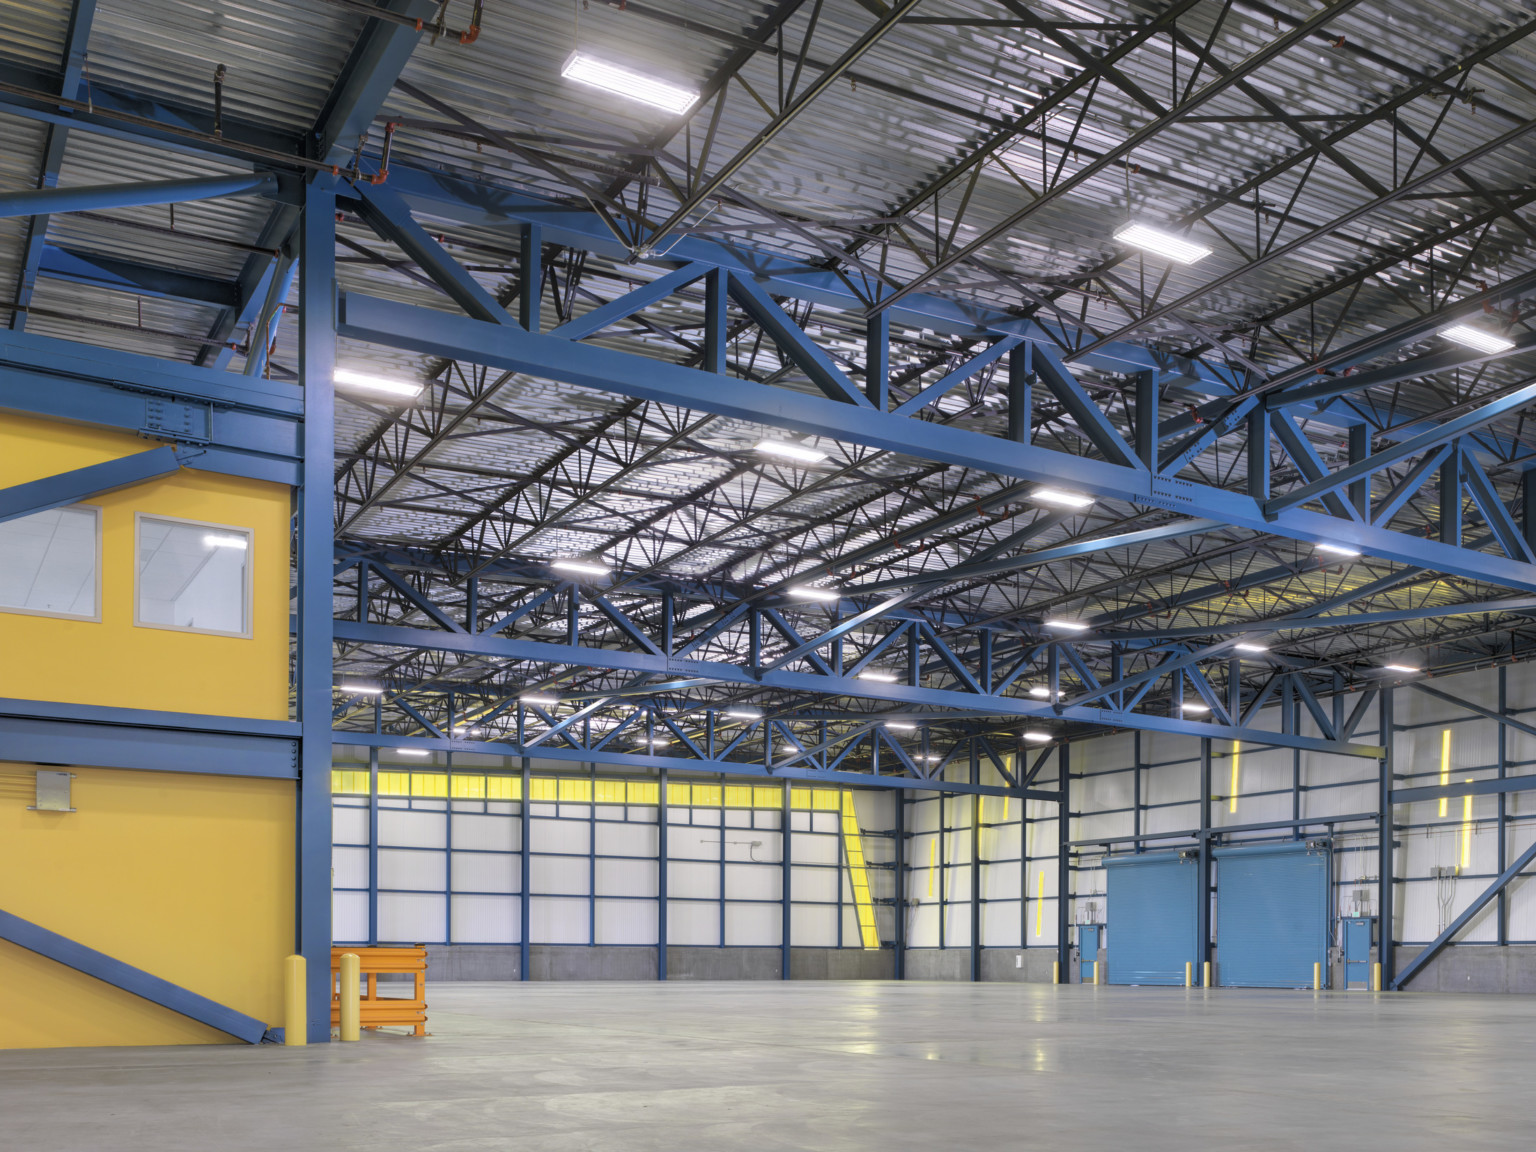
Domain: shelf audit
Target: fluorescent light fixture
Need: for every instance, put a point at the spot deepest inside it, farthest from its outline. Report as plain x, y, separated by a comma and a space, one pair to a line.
1251, 648
1067, 625
825, 595
359, 690
413, 752
900, 726
789, 451
469, 731
654, 742
1477, 338
1037, 737
878, 677
539, 698
1408, 669
350, 379
1064, 499
214, 541
1040, 692
931, 758
584, 566
620, 81
1338, 549
744, 713
1154, 240
1193, 708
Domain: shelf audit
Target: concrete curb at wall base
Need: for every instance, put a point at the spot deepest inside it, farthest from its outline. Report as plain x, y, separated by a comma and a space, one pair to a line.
1474, 968
454, 962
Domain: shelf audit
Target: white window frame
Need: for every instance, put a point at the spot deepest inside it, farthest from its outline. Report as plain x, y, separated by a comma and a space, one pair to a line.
250, 570
95, 618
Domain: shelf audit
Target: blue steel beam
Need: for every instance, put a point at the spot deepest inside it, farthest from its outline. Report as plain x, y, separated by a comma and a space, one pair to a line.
107, 969
83, 483
46, 201
422, 330
100, 271
502, 648
81, 15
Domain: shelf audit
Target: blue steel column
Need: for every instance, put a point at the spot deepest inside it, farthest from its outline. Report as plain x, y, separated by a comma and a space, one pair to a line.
899, 931
525, 816
1203, 907
1064, 858
786, 886
1502, 847
317, 359
975, 868
661, 876
1385, 836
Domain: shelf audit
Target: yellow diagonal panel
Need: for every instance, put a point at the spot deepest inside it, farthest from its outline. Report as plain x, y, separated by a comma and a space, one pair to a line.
858, 874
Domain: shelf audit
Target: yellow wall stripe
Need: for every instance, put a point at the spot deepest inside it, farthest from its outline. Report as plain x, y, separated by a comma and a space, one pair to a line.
858, 874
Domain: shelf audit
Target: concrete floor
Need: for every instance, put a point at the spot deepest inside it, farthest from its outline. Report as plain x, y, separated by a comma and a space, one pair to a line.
826, 1066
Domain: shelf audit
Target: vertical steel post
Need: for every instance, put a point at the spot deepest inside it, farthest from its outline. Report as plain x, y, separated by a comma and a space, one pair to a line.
1258, 453
877, 360
1359, 450
786, 888
661, 876
975, 866
1528, 505
1021, 378
1450, 501
1385, 836
373, 838
530, 277
1501, 848
716, 296
899, 929
1203, 907
1146, 418
316, 558
1063, 854
525, 834
1136, 789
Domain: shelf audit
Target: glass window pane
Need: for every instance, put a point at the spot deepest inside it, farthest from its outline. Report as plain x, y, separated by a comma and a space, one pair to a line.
48, 562
193, 576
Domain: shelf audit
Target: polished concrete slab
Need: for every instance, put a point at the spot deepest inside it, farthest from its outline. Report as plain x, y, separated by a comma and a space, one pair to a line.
701, 1067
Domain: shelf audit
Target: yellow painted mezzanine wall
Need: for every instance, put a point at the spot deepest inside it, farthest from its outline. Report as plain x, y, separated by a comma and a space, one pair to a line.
188, 877
113, 662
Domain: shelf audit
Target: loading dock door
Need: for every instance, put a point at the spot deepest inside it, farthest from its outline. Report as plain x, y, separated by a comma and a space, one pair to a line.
1271, 915
1151, 931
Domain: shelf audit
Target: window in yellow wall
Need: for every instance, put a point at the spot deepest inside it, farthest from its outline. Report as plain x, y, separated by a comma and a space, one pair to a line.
50, 563
192, 576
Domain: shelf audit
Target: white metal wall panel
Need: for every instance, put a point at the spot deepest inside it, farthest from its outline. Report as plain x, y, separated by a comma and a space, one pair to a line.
565, 836
490, 833
695, 879
1000, 924
558, 920
486, 872
557, 876
402, 829
615, 839
687, 842
349, 869
626, 877
753, 924
485, 919
414, 870
752, 882
690, 923
349, 825
349, 916
412, 917
813, 926
812, 884
812, 848
625, 921
922, 925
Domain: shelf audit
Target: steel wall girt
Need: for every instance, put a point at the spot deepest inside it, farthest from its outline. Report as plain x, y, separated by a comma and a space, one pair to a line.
709, 671
422, 330
83, 483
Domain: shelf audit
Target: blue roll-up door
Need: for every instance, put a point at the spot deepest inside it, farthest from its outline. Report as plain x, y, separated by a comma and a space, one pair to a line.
1271, 915
1151, 902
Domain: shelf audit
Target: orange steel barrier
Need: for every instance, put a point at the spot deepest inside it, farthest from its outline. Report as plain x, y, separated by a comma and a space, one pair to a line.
377, 1011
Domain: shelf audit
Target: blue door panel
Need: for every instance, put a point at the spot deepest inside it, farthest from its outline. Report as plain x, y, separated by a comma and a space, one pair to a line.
1151, 927
1271, 915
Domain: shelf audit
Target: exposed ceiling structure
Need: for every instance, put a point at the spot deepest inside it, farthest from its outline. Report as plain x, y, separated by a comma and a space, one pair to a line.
936, 175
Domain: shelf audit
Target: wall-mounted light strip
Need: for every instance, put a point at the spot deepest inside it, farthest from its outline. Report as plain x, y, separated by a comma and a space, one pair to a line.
1040, 904
1445, 766
1237, 759
1466, 830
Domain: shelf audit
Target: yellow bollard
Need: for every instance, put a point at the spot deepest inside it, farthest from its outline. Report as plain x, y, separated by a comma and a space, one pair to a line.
1189, 973
1375, 977
1317, 977
1207, 975
351, 1009
295, 1018
1095, 971
1055, 971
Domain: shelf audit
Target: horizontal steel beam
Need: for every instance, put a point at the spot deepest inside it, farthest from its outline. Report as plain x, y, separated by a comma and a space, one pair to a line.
100, 271
51, 201
425, 331
1492, 786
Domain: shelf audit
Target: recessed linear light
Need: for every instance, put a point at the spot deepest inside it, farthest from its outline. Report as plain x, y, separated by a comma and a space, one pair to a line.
1477, 338
900, 726
1064, 499
656, 742
359, 690
584, 566
226, 541
789, 451
350, 379
1250, 647
1040, 692
878, 677
1067, 625
825, 595
1154, 240
469, 731
931, 758
1338, 549
539, 698
413, 752
1193, 708
1037, 737
1407, 669
743, 714
620, 81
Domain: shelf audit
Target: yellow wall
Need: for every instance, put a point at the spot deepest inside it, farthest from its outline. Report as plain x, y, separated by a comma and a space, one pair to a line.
188, 877
115, 663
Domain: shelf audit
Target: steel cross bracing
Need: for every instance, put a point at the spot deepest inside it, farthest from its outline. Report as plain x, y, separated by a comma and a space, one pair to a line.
1219, 453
